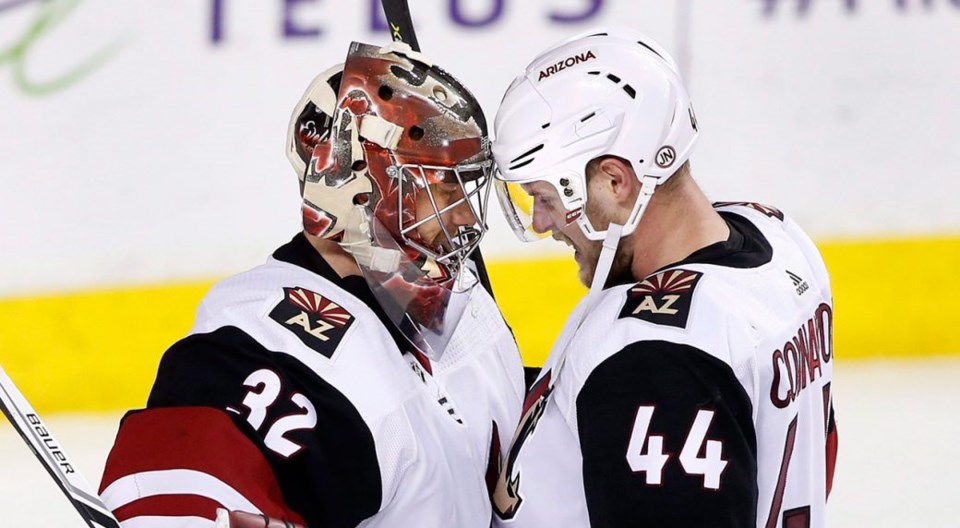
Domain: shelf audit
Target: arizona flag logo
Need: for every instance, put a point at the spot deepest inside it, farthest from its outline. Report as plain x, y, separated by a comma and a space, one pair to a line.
663, 299
319, 322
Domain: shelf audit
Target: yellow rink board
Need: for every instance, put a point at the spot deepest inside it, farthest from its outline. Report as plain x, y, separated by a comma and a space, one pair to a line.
99, 350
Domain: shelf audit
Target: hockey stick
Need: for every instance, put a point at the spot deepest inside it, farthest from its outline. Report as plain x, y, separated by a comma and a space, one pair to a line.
35, 433
400, 22
401, 29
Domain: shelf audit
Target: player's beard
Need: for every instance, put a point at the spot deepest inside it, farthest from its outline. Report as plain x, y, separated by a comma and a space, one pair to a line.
439, 242
621, 271
620, 268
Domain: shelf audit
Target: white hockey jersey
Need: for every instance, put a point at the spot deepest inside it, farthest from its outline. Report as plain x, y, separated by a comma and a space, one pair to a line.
293, 398
699, 396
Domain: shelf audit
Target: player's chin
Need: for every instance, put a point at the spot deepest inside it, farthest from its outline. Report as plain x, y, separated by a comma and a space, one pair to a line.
441, 245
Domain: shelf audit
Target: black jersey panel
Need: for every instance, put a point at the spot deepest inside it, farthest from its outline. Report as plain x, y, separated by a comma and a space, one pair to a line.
667, 438
328, 470
744, 248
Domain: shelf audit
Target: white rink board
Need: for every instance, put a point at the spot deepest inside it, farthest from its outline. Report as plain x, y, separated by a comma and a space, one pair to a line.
167, 163
897, 465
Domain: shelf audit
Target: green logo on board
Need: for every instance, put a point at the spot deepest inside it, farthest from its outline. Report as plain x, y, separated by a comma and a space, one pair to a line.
49, 15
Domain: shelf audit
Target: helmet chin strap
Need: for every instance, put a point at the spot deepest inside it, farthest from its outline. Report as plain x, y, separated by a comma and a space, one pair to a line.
558, 353
605, 262
615, 232
611, 242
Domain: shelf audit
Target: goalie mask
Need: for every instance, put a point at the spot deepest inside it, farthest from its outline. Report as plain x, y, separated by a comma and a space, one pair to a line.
393, 160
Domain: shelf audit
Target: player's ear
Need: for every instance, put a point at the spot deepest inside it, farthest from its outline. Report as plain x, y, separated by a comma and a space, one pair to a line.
619, 179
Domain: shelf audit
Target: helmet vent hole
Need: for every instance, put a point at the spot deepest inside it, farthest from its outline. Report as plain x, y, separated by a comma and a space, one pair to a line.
524, 164
361, 199
587, 117
530, 152
526, 158
385, 93
545, 126
613, 78
359, 165
593, 73
415, 133
630, 91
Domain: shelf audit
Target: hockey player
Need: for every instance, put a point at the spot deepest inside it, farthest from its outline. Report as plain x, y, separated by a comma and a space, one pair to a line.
692, 385
360, 375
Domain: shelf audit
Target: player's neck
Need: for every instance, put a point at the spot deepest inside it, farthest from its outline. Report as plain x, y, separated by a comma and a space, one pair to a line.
673, 228
342, 262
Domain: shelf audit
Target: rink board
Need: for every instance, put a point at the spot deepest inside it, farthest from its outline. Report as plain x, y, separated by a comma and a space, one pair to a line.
99, 350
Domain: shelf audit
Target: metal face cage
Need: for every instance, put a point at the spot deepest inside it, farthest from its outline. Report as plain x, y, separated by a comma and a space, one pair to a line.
472, 180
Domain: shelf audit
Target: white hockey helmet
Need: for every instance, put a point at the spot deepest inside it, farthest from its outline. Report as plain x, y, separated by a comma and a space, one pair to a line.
606, 92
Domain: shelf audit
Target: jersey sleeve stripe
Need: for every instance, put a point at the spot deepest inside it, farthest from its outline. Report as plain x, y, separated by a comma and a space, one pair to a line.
130, 488
832, 445
152, 521
186, 451
169, 506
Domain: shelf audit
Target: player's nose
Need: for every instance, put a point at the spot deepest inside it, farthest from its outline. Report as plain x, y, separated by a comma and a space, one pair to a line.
542, 221
462, 214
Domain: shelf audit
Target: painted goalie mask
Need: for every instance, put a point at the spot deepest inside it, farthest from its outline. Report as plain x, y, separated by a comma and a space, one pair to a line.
394, 164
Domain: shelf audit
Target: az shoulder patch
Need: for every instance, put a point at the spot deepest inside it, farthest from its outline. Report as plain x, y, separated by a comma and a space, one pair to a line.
772, 212
317, 321
662, 299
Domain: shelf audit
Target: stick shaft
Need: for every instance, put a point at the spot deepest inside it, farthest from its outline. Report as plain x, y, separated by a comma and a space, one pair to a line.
401, 25
48, 451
